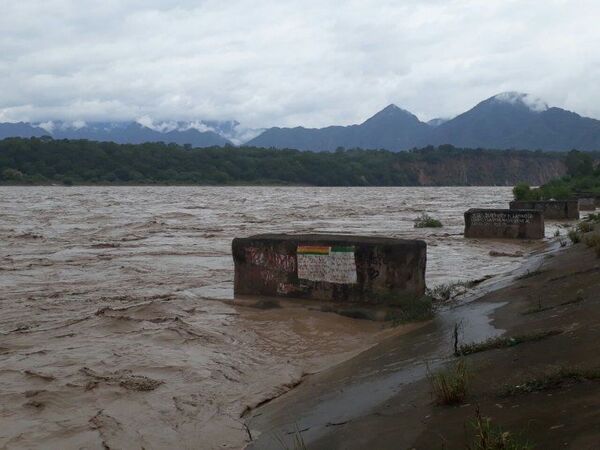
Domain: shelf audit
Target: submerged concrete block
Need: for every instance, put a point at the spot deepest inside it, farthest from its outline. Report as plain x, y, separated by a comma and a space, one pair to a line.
367, 270
552, 209
587, 203
504, 223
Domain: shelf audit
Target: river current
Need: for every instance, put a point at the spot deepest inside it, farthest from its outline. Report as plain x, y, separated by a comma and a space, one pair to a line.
117, 326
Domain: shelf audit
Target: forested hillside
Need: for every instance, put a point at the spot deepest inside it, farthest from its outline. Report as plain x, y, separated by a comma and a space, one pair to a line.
47, 161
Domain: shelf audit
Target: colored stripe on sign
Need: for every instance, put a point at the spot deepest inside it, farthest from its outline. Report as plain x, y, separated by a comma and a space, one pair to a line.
313, 250
342, 249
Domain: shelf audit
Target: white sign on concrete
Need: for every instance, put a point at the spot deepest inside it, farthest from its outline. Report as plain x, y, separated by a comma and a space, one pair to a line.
327, 263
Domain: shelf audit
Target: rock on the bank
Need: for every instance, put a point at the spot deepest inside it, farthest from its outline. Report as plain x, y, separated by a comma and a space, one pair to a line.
504, 223
366, 270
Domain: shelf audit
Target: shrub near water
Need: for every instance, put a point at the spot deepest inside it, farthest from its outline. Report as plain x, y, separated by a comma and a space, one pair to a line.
522, 191
574, 236
593, 218
491, 437
593, 242
450, 385
585, 227
426, 221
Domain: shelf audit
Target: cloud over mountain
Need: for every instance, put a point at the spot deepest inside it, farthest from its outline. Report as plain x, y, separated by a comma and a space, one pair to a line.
292, 62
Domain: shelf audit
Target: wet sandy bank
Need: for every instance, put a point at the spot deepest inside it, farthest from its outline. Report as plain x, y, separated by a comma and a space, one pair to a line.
382, 398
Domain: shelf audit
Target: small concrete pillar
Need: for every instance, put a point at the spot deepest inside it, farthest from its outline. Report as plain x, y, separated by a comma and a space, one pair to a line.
504, 223
355, 269
552, 209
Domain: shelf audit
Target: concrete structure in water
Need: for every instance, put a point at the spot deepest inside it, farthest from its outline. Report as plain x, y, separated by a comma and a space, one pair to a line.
504, 223
588, 201
552, 209
339, 268
587, 204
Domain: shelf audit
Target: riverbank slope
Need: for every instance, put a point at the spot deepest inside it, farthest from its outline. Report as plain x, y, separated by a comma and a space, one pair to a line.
546, 391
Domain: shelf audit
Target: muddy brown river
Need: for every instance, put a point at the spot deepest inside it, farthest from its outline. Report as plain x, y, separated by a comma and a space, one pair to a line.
117, 325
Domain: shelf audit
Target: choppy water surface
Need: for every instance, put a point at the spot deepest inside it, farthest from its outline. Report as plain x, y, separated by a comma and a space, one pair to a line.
186, 232
107, 330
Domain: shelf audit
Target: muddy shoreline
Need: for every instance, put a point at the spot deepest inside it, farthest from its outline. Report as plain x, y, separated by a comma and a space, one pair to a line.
382, 399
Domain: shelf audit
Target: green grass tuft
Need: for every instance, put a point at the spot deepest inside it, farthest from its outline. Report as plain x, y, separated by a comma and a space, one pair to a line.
574, 236
426, 221
593, 241
450, 386
554, 379
490, 437
585, 227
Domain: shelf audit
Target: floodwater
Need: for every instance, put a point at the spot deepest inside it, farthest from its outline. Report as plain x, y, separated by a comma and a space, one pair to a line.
117, 325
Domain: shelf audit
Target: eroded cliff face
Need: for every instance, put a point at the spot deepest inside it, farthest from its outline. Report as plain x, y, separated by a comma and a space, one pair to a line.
478, 170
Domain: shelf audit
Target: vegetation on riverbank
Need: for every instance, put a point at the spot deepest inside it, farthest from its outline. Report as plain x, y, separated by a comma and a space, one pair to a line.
504, 342
449, 386
48, 161
583, 175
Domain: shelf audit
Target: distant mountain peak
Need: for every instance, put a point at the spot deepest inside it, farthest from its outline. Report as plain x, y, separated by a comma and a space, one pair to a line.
520, 98
394, 109
393, 113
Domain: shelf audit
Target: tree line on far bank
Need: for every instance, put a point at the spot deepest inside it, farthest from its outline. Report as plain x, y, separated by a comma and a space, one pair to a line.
583, 176
49, 161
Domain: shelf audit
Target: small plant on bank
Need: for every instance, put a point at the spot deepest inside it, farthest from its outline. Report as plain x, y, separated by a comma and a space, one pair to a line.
504, 342
410, 309
554, 379
574, 236
450, 385
491, 437
562, 242
585, 227
593, 218
593, 242
426, 221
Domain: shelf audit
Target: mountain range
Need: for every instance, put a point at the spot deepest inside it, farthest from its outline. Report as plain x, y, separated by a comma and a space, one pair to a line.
196, 134
507, 120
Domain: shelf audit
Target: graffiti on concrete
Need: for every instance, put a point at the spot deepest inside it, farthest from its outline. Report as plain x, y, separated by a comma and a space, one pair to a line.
271, 260
335, 264
501, 218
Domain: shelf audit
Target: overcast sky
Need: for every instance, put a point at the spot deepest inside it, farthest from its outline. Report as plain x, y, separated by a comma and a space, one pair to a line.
288, 63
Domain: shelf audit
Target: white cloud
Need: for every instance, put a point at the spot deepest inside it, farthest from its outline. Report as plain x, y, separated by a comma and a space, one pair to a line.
291, 62
533, 103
